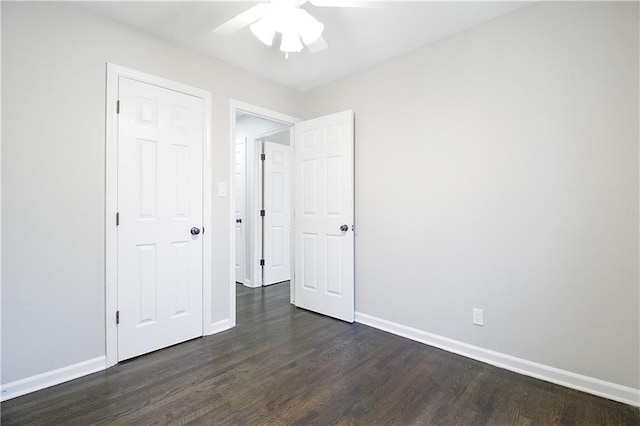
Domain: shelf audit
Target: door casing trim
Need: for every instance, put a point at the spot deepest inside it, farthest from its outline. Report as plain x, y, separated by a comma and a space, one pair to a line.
114, 72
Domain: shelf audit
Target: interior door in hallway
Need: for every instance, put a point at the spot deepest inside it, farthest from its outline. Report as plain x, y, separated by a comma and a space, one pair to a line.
160, 205
324, 215
277, 206
241, 243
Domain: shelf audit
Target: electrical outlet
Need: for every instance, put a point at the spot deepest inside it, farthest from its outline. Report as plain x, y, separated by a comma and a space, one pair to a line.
477, 317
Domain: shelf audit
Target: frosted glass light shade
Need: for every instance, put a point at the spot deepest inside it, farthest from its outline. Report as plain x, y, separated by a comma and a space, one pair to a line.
309, 28
286, 17
290, 42
264, 31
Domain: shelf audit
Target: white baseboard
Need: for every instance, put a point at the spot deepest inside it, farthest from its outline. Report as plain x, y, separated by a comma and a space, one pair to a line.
250, 284
547, 373
64, 374
220, 326
52, 378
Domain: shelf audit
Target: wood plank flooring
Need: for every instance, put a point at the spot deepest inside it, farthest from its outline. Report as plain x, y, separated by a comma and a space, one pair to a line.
283, 365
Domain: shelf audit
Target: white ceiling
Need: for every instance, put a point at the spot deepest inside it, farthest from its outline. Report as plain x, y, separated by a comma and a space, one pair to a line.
358, 37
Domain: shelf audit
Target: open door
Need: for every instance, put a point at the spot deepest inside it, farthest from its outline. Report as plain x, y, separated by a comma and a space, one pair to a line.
324, 215
241, 245
277, 220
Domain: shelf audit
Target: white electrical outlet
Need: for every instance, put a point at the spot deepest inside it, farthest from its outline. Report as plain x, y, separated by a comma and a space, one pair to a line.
477, 317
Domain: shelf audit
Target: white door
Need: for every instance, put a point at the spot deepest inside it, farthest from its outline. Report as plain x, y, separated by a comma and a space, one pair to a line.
324, 215
241, 243
160, 200
277, 219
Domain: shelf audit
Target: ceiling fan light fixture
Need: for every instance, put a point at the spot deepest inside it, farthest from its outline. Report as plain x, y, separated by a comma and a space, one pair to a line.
295, 25
290, 42
310, 28
263, 30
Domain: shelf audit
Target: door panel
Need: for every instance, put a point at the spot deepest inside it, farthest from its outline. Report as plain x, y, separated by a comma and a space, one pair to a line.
324, 194
277, 220
241, 243
160, 136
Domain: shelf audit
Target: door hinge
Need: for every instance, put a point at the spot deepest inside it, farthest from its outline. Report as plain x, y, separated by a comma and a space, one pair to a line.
117, 218
261, 262
117, 317
263, 157
118, 107
203, 230
263, 213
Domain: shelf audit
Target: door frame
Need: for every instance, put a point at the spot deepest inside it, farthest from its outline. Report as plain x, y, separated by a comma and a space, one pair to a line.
236, 106
114, 72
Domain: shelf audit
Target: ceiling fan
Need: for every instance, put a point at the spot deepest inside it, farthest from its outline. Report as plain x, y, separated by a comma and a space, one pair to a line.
286, 17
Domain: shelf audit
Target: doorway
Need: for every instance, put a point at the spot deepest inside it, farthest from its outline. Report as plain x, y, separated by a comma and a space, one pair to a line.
322, 228
262, 178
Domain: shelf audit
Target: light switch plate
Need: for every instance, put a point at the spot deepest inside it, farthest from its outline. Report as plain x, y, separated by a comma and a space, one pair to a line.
222, 189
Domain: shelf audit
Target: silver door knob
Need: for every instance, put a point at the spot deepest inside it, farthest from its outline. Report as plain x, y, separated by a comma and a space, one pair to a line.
195, 231
344, 228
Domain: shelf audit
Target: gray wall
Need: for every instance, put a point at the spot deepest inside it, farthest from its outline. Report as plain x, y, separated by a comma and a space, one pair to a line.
53, 172
498, 169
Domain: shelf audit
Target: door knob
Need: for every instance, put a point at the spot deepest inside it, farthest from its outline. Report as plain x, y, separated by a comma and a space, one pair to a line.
238, 220
195, 231
344, 228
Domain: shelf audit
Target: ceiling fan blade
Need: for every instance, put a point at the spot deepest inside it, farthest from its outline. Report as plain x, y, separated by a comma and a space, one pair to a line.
318, 46
246, 18
341, 3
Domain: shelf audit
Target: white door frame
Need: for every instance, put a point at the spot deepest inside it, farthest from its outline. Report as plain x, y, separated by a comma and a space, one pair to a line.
238, 106
114, 72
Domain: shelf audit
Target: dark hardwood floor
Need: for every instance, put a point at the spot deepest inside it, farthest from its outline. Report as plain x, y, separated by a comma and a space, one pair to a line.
283, 365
